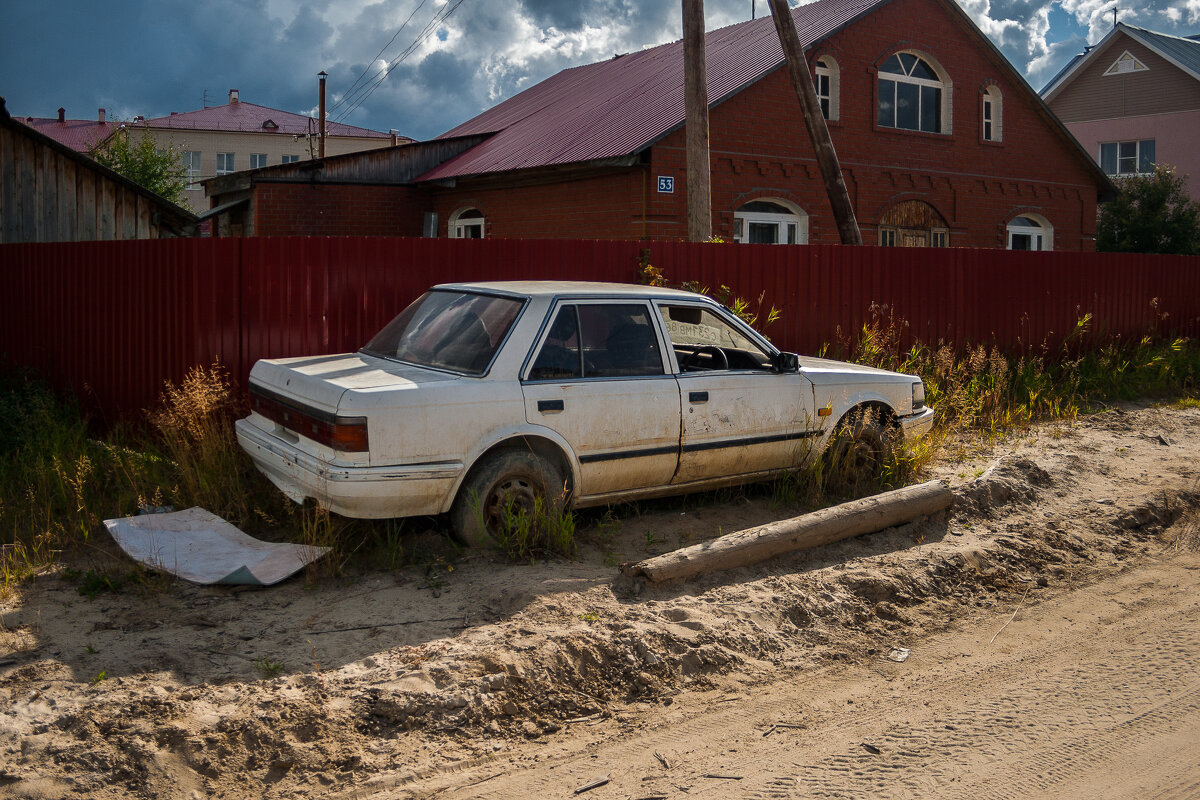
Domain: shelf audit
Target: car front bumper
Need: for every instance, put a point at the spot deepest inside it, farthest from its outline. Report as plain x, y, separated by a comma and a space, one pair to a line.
365, 492
917, 425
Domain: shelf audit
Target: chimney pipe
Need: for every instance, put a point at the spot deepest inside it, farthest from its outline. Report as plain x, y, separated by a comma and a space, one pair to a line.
62, 115
395, 134
233, 96
100, 117
321, 76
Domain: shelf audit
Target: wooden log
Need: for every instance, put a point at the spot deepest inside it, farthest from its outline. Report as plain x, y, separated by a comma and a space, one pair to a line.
754, 545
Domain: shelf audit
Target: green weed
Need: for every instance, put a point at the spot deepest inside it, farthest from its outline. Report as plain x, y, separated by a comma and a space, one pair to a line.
546, 529
267, 668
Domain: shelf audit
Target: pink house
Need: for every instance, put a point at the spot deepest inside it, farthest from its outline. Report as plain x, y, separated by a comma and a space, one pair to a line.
1133, 101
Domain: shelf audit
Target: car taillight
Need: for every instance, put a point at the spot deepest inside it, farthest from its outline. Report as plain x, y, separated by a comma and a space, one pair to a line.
344, 434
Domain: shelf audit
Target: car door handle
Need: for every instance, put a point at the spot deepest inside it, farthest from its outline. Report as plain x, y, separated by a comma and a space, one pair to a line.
697, 397
548, 406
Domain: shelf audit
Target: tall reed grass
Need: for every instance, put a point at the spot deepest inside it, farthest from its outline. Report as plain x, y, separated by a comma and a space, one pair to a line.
59, 479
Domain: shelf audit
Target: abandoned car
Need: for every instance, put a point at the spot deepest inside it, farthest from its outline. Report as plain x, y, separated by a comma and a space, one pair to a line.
484, 396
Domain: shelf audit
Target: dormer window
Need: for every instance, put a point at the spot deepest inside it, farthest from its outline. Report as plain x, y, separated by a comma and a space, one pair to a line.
1128, 62
270, 125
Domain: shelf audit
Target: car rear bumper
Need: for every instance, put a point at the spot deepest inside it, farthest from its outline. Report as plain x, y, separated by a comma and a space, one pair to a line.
366, 492
917, 425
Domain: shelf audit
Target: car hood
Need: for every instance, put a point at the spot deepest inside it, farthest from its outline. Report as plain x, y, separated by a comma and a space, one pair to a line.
321, 381
827, 371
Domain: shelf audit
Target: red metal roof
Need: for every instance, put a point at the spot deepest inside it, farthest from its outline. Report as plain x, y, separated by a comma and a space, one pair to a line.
81, 135
245, 117
619, 107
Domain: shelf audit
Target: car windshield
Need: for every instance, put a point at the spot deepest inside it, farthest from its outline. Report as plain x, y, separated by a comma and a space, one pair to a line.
457, 331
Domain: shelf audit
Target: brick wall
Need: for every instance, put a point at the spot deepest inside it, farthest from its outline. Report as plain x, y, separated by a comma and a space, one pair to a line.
596, 205
289, 209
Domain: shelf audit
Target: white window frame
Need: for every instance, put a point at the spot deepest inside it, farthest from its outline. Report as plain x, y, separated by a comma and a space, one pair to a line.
1040, 237
190, 160
225, 163
943, 82
790, 227
1125, 64
992, 115
258, 160
457, 228
827, 83
1138, 147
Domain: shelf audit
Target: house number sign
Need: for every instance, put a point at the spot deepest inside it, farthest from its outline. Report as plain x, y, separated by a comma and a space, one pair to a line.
666, 184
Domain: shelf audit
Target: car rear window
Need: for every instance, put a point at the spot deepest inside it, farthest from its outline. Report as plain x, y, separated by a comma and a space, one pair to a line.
457, 331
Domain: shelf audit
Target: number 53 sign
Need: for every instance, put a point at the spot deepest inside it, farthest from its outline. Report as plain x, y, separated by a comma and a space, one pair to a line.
666, 184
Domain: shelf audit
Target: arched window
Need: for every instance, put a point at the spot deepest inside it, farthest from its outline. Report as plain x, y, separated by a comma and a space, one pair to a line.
913, 223
827, 83
770, 222
1030, 232
466, 224
913, 96
993, 114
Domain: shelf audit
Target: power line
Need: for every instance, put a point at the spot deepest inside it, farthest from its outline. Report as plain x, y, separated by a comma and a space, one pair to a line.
364, 91
367, 68
430, 27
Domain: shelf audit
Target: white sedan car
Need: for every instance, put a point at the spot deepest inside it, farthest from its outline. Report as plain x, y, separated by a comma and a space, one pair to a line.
482, 395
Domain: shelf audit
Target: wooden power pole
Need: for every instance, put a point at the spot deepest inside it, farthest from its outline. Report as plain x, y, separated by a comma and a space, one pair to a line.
814, 120
695, 96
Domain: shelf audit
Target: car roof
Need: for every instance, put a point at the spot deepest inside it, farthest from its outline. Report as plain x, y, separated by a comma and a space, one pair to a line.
574, 289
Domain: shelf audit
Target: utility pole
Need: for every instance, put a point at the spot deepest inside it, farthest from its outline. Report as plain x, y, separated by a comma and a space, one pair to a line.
321, 76
814, 120
695, 97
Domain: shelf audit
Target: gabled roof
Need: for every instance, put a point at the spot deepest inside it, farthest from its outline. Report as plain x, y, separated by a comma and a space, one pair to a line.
81, 135
1182, 51
242, 117
617, 108
609, 112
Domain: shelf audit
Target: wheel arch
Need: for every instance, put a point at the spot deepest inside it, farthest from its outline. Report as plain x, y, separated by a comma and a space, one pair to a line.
877, 405
546, 446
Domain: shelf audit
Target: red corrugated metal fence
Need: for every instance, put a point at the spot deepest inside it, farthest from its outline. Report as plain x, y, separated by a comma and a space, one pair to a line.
113, 320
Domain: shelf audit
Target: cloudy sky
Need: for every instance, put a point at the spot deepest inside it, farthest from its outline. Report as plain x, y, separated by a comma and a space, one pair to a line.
419, 66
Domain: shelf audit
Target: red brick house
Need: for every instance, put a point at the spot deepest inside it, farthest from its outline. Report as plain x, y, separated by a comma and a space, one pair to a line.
941, 143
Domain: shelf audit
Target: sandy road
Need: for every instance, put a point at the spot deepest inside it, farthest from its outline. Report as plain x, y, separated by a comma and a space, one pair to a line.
1092, 692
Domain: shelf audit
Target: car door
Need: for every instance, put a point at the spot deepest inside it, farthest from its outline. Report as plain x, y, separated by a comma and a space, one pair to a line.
598, 377
740, 415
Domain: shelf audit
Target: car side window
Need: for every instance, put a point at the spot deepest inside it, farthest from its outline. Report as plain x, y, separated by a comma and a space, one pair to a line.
702, 340
559, 357
619, 341
607, 340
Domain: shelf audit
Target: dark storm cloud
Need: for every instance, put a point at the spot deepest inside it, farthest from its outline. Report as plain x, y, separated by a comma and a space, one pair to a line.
152, 57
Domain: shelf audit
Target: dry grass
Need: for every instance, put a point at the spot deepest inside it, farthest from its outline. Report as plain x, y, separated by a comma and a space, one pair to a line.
59, 481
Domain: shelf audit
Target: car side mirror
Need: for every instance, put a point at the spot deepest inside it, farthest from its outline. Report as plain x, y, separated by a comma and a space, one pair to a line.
786, 362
